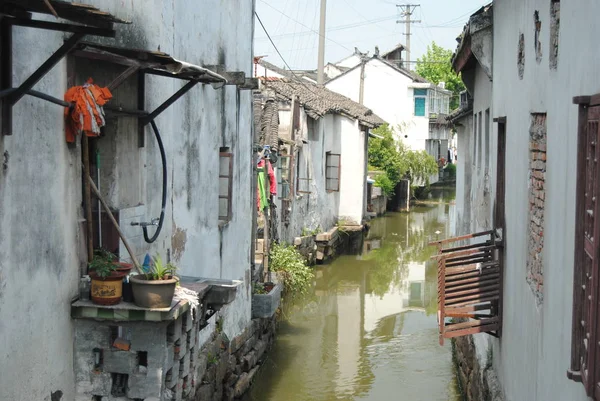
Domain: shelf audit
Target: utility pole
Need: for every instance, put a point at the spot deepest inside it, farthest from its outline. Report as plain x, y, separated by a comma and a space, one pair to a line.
406, 11
321, 62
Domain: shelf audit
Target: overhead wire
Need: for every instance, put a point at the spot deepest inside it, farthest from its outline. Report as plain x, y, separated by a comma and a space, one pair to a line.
335, 28
281, 56
300, 23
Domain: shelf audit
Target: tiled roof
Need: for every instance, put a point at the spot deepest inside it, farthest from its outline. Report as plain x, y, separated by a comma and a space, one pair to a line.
318, 100
266, 121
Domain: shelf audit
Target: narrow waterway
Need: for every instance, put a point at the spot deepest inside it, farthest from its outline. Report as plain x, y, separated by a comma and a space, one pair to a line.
368, 332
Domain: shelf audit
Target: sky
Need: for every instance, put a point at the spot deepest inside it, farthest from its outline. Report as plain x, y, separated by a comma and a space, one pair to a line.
294, 24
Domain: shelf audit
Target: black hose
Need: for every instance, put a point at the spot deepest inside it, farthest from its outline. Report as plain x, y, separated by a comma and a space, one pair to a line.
164, 186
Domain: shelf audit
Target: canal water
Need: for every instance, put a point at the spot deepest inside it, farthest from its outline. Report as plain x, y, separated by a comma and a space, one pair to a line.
368, 331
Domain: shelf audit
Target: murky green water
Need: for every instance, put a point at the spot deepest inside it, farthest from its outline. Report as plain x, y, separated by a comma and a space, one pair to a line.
369, 330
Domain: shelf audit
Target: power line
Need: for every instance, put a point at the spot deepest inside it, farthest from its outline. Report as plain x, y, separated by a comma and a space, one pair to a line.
300, 23
282, 59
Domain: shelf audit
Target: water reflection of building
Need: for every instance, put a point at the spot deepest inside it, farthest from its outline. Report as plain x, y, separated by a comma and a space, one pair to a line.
359, 301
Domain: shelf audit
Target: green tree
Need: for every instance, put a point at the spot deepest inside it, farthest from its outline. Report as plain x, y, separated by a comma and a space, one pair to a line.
436, 66
397, 161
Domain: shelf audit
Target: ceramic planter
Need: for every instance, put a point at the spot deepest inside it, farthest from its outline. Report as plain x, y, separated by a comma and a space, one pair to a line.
107, 290
152, 293
124, 267
265, 305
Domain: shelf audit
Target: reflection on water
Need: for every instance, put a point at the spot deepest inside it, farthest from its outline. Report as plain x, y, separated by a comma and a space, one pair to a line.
368, 332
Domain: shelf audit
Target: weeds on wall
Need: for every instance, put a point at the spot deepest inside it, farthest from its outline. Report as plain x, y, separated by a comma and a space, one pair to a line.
296, 274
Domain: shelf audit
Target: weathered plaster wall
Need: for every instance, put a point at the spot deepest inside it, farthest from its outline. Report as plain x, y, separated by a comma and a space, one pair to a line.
41, 256
483, 160
319, 208
464, 175
395, 105
353, 167
534, 352
40, 234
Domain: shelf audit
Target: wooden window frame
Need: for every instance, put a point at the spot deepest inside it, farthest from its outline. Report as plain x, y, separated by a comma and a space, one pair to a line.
280, 181
328, 155
301, 180
585, 366
229, 177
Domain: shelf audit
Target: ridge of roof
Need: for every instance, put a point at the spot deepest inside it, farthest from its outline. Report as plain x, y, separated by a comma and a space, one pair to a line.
409, 74
320, 100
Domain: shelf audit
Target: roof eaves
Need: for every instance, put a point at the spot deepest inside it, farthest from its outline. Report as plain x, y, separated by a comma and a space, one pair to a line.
152, 61
76, 12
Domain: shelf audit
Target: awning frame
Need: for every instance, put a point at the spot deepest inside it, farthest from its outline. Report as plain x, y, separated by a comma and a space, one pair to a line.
21, 15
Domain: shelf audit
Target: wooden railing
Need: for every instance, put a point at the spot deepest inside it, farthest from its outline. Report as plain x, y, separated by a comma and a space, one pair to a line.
469, 285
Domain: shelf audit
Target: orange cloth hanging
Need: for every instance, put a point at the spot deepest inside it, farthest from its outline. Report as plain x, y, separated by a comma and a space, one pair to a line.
87, 115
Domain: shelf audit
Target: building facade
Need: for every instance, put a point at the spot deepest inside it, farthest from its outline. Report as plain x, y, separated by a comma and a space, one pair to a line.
44, 237
542, 163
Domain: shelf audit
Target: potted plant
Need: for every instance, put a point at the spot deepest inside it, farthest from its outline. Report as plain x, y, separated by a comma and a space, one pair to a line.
266, 298
155, 289
107, 281
121, 266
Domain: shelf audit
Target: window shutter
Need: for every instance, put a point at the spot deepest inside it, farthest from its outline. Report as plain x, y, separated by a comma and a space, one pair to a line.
585, 349
591, 234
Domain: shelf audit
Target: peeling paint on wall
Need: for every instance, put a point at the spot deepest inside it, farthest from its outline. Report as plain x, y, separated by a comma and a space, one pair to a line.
521, 56
537, 43
178, 241
537, 195
554, 31
5, 161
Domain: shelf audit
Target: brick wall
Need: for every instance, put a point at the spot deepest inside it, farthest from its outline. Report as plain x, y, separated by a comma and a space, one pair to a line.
537, 194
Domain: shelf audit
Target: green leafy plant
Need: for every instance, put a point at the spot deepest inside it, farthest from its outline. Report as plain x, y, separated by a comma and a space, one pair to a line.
387, 186
161, 271
309, 232
397, 161
102, 263
258, 288
289, 263
451, 169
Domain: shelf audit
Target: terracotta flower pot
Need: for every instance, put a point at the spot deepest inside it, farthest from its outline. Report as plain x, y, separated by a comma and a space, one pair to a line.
107, 290
152, 293
124, 267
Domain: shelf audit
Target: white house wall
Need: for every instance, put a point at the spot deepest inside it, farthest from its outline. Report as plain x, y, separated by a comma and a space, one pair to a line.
353, 170
395, 104
319, 209
482, 149
41, 256
464, 176
534, 352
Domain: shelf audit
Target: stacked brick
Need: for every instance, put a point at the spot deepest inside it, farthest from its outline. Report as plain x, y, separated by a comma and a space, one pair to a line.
537, 195
165, 360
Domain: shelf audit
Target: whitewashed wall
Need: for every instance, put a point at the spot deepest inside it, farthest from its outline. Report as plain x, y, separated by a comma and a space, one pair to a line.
534, 352
41, 256
353, 171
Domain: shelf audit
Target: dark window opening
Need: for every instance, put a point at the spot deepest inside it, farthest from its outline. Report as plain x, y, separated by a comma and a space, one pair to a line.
119, 384
142, 358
